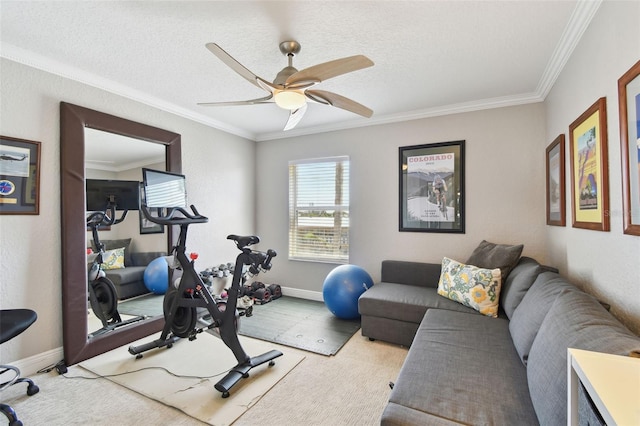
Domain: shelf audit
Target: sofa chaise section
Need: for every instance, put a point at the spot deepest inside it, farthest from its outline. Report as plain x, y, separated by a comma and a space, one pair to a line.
462, 369
393, 309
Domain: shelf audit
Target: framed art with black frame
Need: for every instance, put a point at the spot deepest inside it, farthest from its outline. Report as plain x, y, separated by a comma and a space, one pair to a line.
589, 169
629, 103
19, 176
146, 226
556, 183
431, 190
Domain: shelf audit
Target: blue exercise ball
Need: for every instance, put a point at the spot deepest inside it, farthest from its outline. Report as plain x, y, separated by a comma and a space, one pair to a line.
342, 288
156, 276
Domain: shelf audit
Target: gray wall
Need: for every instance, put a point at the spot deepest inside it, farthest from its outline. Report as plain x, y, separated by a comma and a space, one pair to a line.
504, 173
607, 264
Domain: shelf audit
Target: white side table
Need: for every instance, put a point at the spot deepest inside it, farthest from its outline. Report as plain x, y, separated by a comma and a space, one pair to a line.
612, 382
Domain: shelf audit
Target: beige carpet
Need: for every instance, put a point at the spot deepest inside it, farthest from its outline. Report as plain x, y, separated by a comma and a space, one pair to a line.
206, 360
350, 388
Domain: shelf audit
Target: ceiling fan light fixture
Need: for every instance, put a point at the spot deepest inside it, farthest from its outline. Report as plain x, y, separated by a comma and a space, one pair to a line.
289, 99
291, 87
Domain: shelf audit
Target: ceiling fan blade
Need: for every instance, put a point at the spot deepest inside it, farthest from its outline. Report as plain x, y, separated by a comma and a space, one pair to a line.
267, 99
338, 101
268, 86
295, 116
321, 72
233, 64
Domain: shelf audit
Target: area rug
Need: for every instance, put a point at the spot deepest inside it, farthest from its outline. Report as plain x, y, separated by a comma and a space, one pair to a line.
149, 305
184, 376
290, 321
299, 323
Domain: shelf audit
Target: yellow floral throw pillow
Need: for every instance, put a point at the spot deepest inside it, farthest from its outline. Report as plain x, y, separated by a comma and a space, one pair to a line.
474, 287
113, 259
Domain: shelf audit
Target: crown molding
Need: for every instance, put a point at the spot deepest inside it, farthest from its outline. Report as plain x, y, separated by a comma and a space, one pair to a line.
52, 66
479, 105
580, 19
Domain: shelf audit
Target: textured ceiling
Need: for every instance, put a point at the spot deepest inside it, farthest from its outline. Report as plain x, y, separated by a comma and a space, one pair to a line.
431, 57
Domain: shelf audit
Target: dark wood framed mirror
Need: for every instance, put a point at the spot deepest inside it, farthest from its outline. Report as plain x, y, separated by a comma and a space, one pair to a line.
74, 120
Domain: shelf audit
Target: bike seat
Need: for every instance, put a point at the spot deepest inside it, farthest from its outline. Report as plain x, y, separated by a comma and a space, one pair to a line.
243, 241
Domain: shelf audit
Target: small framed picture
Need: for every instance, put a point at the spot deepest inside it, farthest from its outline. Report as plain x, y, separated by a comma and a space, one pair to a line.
432, 187
556, 183
629, 103
589, 169
19, 176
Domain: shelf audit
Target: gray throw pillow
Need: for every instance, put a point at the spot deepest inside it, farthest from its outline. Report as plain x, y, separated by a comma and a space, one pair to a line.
576, 320
490, 256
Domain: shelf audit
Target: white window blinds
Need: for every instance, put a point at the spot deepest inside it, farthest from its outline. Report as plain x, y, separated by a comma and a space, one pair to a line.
319, 210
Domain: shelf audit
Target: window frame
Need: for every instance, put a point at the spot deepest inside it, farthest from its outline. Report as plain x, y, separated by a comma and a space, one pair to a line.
335, 255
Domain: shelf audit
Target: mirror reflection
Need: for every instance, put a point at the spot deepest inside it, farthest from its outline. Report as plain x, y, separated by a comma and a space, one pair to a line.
121, 243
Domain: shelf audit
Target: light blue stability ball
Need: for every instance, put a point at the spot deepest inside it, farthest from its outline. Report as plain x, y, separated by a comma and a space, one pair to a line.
156, 276
342, 288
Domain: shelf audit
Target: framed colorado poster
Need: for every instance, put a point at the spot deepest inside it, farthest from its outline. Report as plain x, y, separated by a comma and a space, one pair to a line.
432, 187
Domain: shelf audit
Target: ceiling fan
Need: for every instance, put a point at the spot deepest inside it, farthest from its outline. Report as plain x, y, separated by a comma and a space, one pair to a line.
291, 88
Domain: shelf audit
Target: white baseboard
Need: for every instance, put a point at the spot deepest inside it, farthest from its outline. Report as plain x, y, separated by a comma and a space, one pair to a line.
303, 294
30, 366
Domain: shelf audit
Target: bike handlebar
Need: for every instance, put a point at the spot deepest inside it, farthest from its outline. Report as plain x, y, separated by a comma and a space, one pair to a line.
171, 219
267, 262
261, 261
96, 219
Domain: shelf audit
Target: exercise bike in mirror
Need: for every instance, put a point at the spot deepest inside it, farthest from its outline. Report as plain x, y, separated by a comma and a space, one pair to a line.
96, 148
113, 172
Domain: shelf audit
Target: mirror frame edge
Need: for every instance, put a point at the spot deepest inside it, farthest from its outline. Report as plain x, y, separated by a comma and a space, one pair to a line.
73, 120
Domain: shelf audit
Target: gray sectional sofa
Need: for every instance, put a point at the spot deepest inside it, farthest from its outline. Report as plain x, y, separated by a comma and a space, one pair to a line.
467, 368
129, 281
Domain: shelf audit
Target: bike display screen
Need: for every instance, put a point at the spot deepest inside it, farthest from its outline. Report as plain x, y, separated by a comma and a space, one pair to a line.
123, 194
164, 189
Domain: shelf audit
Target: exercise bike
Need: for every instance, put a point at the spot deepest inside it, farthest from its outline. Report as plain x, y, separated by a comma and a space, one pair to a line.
103, 297
181, 303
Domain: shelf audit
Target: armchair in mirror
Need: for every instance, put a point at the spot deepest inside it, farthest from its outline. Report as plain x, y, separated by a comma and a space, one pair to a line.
99, 147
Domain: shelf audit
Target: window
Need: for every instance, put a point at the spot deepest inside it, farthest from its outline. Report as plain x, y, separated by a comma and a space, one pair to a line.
319, 210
